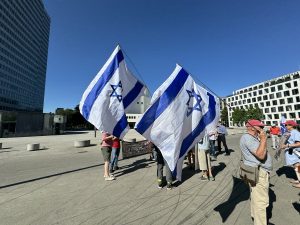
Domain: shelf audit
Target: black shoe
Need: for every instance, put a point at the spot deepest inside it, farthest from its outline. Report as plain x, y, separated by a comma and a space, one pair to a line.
227, 153
116, 168
111, 171
169, 186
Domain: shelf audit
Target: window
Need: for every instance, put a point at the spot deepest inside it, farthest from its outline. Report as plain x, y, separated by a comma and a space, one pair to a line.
262, 104
280, 88
273, 109
272, 89
274, 102
267, 110
266, 90
260, 86
286, 93
280, 109
297, 107
267, 103
281, 101
290, 100
295, 91
245, 96
248, 100
271, 96
244, 101
265, 97
253, 99
259, 98
288, 85
276, 116
260, 92
292, 115
288, 108
254, 93
278, 95
249, 94
295, 84
297, 99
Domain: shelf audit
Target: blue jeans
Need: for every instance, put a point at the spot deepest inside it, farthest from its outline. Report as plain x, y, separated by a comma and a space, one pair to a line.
212, 147
114, 158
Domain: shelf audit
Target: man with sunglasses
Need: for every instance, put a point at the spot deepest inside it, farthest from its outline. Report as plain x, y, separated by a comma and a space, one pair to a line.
292, 145
253, 146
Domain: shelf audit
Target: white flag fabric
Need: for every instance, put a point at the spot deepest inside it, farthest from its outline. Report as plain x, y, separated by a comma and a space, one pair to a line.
110, 93
178, 115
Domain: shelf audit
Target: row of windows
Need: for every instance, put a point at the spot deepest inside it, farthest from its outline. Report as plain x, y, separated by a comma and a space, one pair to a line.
266, 91
271, 83
30, 84
24, 54
275, 116
10, 28
281, 101
29, 25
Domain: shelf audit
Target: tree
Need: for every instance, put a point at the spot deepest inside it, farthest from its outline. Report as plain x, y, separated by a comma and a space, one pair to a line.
224, 116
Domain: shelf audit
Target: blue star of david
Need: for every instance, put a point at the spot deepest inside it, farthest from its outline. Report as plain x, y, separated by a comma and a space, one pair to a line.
114, 91
197, 106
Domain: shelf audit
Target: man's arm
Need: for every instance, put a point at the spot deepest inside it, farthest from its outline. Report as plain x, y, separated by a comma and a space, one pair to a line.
261, 151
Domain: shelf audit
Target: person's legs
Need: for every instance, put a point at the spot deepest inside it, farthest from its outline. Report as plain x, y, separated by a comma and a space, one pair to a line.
260, 199
223, 140
211, 177
297, 171
219, 144
212, 147
106, 153
169, 177
160, 168
112, 160
273, 141
117, 153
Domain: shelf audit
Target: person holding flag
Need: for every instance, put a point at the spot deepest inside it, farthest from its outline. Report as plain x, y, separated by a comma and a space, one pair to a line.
105, 101
178, 115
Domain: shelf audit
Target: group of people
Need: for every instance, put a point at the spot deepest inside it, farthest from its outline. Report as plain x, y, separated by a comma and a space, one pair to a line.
255, 154
110, 147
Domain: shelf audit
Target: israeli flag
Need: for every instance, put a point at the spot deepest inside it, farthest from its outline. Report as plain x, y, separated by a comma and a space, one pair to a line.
282, 125
110, 93
178, 115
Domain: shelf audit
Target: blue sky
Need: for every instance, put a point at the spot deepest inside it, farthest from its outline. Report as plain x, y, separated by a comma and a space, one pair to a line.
226, 44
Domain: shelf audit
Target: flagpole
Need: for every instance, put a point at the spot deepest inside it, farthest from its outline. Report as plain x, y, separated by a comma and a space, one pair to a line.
206, 87
135, 68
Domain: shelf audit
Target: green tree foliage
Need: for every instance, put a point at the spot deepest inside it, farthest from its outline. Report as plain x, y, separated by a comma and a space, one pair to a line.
240, 116
74, 119
224, 116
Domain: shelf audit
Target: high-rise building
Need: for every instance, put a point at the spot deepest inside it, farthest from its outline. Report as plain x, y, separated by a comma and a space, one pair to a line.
276, 97
24, 37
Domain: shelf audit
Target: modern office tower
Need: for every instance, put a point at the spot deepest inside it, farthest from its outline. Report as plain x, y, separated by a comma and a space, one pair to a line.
24, 37
276, 97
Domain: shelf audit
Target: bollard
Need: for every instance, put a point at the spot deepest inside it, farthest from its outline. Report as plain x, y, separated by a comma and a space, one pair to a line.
83, 143
33, 147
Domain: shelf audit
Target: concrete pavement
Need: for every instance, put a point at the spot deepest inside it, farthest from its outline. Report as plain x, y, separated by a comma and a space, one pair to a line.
65, 185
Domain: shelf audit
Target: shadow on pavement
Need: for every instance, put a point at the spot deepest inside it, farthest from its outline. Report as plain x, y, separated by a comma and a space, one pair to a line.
217, 169
52, 175
240, 192
138, 164
288, 171
296, 206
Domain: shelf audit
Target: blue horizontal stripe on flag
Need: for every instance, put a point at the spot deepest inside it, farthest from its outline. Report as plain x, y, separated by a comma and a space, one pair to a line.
163, 102
132, 94
207, 118
120, 126
100, 84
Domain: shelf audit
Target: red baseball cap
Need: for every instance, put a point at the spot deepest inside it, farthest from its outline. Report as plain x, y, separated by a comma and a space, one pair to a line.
252, 123
291, 122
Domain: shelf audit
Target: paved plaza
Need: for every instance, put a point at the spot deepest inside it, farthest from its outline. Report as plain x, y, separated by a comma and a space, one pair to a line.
62, 184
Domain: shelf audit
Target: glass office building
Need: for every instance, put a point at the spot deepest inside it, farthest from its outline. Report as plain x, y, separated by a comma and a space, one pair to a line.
24, 37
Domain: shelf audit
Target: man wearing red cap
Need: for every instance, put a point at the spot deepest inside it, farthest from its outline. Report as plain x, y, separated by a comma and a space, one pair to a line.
253, 146
293, 144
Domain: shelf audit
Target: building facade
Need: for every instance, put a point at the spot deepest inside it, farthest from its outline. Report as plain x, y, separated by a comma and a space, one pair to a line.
24, 37
276, 97
136, 110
